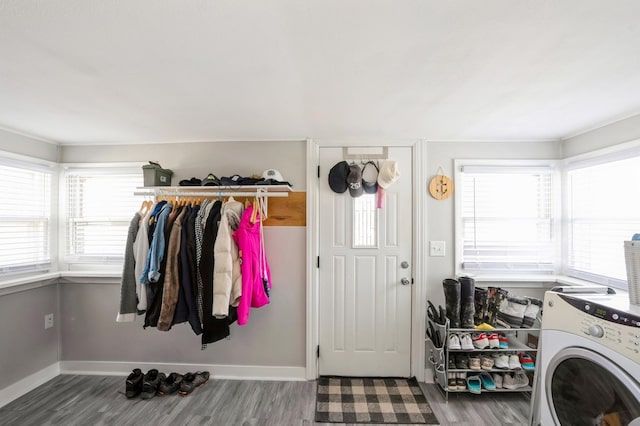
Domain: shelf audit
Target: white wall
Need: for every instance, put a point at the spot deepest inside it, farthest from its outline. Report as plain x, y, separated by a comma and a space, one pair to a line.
619, 132
441, 214
18, 144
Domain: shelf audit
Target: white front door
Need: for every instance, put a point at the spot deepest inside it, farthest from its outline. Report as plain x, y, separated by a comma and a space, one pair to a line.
365, 255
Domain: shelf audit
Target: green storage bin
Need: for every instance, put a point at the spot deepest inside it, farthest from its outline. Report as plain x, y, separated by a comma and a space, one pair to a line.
155, 175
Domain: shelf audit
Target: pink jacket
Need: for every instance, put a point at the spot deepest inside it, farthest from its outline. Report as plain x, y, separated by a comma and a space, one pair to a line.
256, 274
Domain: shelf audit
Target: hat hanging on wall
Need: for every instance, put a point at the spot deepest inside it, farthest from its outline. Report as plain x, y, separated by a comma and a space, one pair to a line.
370, 177
338, 177
354, 179
388, 173
440, 186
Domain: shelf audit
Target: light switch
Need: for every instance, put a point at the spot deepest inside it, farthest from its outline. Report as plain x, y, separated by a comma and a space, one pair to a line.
436, 248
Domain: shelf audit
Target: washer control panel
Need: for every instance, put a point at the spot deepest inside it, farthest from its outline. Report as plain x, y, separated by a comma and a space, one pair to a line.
615, 328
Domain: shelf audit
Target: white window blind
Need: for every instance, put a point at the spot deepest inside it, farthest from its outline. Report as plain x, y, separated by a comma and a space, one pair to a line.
25, 213
604, 211
99, 206
506, 216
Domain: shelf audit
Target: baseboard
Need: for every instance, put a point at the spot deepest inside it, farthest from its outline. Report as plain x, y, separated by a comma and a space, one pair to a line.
237, 372
28, 384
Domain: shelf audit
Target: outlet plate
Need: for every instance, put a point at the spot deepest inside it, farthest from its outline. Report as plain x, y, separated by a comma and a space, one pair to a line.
436, 248
48, 321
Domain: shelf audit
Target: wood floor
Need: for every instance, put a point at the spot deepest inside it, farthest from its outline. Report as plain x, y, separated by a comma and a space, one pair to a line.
99, 400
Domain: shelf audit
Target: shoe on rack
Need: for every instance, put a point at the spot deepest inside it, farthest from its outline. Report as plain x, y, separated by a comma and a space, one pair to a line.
480, 341
517, 381
150, 383
134, 383
526, 361
474, 384
514, 362
169, 384
462, 362
452, 383
501, 361
504, 342
486, 362
487, 381
474, 363
484, 326
494, 341
461, 381
452, 362
454, 341
497, 379
465, 342
190, 381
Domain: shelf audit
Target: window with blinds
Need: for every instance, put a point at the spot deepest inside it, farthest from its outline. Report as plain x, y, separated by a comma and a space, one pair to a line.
99, 207
505, 216
25, 215
604, 206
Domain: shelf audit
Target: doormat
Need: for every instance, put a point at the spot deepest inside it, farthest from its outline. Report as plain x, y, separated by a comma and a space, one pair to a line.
372, 400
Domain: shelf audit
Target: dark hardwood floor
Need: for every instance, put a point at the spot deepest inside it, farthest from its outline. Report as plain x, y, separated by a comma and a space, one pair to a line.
99, 400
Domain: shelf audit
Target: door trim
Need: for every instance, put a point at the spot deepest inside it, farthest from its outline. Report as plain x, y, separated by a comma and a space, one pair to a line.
418, 289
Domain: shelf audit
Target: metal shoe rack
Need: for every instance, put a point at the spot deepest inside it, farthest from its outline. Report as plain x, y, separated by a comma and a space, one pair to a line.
439, 357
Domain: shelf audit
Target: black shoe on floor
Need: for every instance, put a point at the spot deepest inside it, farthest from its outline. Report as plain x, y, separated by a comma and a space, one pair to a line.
134, 383
190, 381
170, 384
150, 383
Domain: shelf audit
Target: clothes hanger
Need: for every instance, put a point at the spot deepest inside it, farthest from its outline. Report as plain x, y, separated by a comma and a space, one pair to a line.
254, 212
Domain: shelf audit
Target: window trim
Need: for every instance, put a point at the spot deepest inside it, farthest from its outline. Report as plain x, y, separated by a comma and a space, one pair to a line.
556, 212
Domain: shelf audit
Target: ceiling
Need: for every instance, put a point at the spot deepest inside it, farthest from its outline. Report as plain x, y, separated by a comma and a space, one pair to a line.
95, 71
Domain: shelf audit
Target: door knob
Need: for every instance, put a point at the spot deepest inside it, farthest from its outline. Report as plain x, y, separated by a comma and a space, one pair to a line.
405, 281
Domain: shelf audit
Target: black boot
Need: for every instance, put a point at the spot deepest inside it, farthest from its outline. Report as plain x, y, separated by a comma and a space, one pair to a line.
452, 301
480, 300
467, 307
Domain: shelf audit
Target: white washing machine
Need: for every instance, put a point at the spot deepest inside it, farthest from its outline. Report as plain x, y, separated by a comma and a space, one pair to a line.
588, 361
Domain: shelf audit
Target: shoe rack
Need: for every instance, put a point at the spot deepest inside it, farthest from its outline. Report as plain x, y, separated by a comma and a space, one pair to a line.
440, 357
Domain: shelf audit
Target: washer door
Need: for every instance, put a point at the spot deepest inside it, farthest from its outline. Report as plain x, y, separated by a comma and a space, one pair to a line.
585, 388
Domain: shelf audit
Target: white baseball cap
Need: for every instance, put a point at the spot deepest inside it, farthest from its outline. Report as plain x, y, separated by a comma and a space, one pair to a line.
272, 174
388, 173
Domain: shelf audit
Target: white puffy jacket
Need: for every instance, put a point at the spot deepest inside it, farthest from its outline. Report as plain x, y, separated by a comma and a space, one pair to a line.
227, 279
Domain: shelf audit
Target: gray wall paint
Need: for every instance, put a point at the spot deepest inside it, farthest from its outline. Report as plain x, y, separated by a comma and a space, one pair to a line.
619, 132
24, 145
26, 347
275, 335
441, 214
198, 159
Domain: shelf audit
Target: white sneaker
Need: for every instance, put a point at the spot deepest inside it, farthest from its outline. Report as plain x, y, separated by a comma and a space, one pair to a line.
518, 380
514, 363
454, 341
494, 341
497, 379
465, 342
501, 361
480, 341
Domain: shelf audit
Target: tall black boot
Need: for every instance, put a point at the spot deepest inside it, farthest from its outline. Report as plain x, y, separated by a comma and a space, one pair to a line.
467, 307
452, 301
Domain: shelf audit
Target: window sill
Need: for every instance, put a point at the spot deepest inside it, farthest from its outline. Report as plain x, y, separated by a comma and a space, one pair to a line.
535, 280
30, 282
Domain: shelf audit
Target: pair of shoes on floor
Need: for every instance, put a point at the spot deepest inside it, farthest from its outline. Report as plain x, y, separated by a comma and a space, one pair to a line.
151, 384
190, 381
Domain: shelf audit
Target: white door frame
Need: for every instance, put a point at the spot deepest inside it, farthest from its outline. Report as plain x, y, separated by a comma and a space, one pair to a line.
418, 301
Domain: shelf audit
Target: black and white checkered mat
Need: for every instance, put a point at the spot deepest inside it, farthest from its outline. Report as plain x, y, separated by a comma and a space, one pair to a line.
372, 400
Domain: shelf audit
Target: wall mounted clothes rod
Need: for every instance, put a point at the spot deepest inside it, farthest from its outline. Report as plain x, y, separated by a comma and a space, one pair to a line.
211, 194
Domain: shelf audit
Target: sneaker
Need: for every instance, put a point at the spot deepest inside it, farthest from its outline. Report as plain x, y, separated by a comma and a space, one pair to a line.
518, 380
494, 341
452, 384
501, 361
474, 363
134, 383
461, 381
190, 381
454, 342
480, 341
462, 362
497, 379
514, 362
150, 383
526, 361
487, 381
452, 362
169, 384
486, 362
504, 342
465, 342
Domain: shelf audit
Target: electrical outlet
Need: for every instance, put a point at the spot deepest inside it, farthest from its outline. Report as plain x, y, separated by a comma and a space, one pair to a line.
436, 248
48, 321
